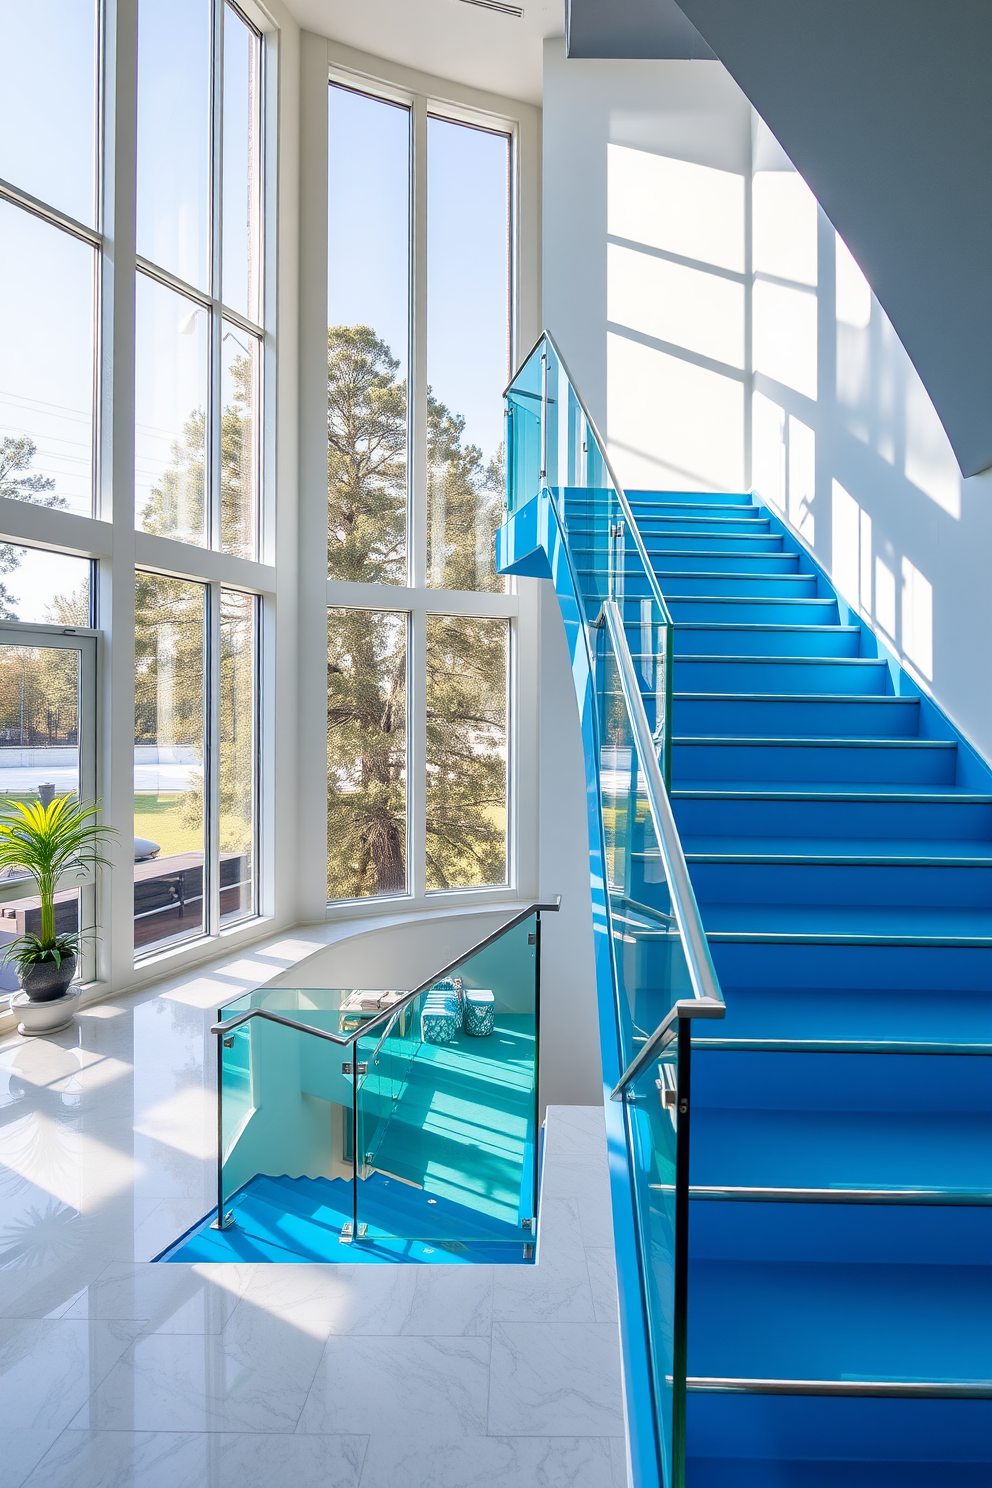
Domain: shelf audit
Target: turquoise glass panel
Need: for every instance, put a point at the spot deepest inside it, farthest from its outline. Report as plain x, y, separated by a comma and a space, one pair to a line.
446, 1106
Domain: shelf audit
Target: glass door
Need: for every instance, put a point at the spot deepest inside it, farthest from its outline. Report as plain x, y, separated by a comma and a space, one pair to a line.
47, 749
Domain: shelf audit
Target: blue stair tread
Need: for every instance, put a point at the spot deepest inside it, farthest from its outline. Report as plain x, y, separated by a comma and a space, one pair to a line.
898, 1015
884, 921
813, 791
928, 1150
808, 850
834, 1321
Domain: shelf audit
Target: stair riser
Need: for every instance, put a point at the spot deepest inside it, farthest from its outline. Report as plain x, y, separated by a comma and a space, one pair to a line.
811, 820
654, 528
741, 641
922, 1442
816, 762
762, 586
889, 1015
803, 717
869, 678
679, 559
641, 498
753, 611
951, 1083
877, 1234
829, 884
935, 970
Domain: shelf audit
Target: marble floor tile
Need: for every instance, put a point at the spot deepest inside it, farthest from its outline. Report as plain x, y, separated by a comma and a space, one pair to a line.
21, 1447
574, 1131
253, 1376
412, 1388
555, 1379
410, 1300
596, 1221
602, 1265
167, 1299
49, 1368
577, 1177
556, 1288
491, 1462
621, 1467
174, 1459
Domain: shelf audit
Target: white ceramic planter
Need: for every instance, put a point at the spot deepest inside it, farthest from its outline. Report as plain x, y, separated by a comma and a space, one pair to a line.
36, 1018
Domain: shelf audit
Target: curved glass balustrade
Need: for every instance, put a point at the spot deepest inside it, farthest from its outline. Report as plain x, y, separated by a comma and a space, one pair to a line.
389, 1119
569, 520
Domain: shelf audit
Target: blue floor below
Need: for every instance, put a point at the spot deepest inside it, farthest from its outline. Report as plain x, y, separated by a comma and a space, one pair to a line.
301, 1220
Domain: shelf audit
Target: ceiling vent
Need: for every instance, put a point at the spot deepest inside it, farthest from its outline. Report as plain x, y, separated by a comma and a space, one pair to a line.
510, 10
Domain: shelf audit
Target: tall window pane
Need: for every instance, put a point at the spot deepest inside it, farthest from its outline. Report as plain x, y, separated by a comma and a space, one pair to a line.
48, 102
241, 174
170, 400
468, 345
238, 753
47, 318
39, 587
169, 732
174, 136
366, 753
466, 751
368, 300
239, 453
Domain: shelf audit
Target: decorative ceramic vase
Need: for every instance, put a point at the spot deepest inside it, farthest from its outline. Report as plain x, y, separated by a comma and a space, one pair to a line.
43, 981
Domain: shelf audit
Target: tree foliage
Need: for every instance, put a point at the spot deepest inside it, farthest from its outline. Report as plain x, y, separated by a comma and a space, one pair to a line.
16, 456
366, 658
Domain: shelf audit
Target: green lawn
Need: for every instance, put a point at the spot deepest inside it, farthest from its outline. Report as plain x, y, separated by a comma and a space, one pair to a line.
160, 819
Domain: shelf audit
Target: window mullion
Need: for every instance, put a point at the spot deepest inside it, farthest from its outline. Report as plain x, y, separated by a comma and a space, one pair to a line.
216, 250
418, 347
416, 791
211, 794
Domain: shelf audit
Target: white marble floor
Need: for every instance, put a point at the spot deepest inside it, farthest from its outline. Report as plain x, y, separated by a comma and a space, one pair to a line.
117, 1373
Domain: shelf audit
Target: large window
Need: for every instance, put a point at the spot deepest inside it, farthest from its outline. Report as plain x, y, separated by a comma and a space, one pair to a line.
418, 354
72, 396
198, 303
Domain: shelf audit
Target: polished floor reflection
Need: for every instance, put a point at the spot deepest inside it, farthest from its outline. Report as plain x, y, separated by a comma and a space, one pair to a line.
118, 1373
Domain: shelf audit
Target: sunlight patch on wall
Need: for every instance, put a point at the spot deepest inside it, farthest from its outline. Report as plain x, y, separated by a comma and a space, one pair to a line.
853, 292
929, 462
783, 463
802, 477
785, 335
768, 464
690, 210
673, 303
672, 424
917, 618
885, 599
845, 529
784, 227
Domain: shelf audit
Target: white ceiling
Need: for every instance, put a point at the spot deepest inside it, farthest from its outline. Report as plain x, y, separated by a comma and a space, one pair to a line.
449, 38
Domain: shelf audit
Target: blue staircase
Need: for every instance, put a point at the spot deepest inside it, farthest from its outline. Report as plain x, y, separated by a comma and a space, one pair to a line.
838, 832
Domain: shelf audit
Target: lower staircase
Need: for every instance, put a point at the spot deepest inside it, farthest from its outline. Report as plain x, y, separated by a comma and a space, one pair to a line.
838, 832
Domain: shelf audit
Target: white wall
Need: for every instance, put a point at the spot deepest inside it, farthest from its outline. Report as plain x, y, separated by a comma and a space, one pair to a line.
723, 337
645, 192
847, 444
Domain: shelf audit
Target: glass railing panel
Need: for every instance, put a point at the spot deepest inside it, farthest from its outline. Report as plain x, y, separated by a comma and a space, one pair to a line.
446, 1106
652, 1107
286, 1111
524, 403
652, 969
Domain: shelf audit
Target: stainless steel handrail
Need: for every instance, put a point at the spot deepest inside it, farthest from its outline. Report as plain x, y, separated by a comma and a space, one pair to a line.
344, 1040
652, 577
707, 1000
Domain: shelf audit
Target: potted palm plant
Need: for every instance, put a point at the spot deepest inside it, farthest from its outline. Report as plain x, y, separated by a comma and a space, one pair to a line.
48, 841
